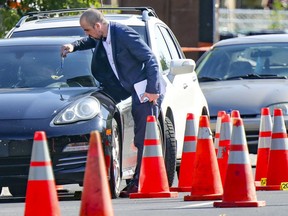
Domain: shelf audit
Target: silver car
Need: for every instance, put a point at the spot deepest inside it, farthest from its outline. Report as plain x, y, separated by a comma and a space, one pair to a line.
246, 74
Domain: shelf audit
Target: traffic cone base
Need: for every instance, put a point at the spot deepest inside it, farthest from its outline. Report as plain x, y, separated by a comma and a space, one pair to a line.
47, 189
268, 188
160, 189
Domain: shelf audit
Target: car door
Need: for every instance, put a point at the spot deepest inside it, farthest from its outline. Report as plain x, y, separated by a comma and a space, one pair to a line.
183, 93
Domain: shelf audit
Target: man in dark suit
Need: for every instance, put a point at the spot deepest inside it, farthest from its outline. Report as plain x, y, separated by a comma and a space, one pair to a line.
121, 59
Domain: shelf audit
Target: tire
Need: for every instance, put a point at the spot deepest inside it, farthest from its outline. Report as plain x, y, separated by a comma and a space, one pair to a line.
115, 161
170, 155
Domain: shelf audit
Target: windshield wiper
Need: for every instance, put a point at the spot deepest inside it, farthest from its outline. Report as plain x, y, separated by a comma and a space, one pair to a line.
272, 76
257, 76
207, 79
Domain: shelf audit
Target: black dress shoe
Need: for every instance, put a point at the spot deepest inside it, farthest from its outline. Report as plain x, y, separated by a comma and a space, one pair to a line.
127, 190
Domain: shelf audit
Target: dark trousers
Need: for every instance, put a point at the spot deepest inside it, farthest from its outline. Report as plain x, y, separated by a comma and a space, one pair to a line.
140, 111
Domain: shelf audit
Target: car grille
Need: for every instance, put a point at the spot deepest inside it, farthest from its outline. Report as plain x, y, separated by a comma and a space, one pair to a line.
14, 166
12, 148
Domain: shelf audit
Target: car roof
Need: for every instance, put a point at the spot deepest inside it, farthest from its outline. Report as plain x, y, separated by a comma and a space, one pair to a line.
56, 18
269, 38
37, 41
73, 21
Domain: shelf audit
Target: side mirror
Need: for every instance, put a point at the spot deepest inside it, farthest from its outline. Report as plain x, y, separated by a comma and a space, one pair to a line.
182, 66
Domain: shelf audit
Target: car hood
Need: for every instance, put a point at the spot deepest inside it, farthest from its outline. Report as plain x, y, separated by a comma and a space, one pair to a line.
247, 96
37, 103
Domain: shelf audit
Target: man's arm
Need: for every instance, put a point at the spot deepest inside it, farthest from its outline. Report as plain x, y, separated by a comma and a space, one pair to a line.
82, 44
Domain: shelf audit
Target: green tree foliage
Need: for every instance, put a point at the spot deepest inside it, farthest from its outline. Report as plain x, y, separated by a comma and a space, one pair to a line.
276, 16
9, 16
8, 19
43, 5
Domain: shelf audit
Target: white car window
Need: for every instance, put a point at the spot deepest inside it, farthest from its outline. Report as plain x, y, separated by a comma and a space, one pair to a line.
164, 54
170, 43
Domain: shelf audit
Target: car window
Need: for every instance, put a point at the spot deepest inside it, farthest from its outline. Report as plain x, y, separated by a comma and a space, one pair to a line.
170, 41
40, 66
214, 64
164, 53
242, 60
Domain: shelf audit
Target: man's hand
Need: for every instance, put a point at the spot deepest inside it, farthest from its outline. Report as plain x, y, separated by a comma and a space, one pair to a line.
66, 48
151, 97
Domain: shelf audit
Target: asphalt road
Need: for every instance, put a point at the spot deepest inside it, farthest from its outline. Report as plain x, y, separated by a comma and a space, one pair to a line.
276, 204
70, 204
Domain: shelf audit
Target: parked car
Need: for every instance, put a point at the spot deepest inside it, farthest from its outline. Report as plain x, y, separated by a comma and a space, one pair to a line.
183, 95
246, 74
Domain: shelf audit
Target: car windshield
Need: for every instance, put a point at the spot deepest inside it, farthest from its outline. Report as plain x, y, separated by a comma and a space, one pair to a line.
249, 61
42, 66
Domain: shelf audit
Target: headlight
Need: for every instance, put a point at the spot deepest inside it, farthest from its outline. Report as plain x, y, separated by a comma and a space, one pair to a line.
83, 109
283, 106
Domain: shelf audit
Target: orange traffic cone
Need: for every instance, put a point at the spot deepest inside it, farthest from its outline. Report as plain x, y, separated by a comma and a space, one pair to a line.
278, 156
264, 143
41, 194
96, 197
188, 156
217, 130
224, 145
153, 182
239, 188
206, 183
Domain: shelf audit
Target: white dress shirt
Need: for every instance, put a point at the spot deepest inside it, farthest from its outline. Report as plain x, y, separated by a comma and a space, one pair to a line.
108, 47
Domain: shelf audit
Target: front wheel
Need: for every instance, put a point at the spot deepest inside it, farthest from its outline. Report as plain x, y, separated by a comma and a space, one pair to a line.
115, 161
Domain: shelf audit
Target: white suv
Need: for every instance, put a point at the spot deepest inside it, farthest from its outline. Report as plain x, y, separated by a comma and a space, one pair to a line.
183, 93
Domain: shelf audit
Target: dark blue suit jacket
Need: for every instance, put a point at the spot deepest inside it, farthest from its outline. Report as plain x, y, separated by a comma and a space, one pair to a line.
133, 58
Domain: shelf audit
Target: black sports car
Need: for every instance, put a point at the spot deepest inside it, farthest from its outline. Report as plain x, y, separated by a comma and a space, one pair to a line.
39, 91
